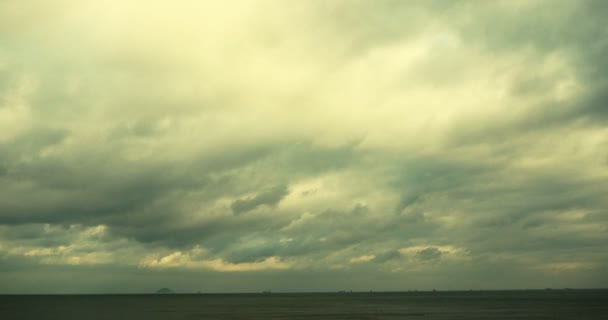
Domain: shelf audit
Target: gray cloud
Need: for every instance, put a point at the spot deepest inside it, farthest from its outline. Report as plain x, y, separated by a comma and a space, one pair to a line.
419, 144
428, 254
270, 198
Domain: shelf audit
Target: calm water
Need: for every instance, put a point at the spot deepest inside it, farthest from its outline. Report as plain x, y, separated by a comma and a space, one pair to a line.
549, 304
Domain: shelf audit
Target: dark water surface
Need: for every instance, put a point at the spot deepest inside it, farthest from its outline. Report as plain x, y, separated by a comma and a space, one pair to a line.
545, 304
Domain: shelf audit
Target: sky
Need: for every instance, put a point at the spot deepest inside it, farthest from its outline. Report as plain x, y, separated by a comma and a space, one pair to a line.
242, 146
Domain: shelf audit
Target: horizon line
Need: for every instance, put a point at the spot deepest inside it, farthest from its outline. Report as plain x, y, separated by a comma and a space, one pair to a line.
266, 292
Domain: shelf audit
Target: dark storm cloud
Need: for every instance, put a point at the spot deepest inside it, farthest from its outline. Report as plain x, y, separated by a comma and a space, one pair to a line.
269, 198
428, 254
154, 203
388, 256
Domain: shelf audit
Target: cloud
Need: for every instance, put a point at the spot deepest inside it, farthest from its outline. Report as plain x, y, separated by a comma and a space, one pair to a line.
362, 259
183, 260
270, 198
395, 143
430, 253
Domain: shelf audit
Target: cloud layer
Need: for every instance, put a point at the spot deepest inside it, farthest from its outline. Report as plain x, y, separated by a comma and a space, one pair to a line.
319, 145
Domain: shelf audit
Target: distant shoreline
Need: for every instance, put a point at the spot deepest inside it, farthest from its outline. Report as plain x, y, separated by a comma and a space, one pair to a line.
338, 292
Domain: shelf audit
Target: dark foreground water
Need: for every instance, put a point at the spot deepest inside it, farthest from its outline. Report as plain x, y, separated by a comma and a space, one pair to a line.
545, 304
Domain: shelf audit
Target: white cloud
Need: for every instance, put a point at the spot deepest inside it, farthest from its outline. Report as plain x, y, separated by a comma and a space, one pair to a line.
360, 259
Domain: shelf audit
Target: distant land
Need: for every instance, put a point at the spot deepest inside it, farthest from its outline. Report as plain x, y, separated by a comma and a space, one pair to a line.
164, 291
411, 291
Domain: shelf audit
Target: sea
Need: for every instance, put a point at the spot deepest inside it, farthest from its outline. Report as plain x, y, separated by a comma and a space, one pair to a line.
524, 304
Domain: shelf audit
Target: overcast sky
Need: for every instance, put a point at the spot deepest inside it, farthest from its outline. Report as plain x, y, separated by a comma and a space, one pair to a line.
227, 146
